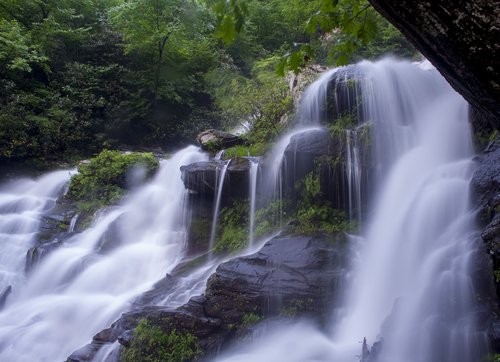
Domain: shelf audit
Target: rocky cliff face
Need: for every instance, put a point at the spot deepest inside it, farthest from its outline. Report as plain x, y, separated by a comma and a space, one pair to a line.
461, 39
277, 281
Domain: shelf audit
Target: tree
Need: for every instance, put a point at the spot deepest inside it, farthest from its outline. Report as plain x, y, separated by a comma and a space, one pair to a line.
147, 26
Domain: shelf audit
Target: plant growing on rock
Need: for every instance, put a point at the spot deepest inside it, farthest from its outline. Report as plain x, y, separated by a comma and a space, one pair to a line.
104, 179
151, 344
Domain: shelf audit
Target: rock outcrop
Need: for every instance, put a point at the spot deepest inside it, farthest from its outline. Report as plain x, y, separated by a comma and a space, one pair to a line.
290, 276
460, 39
201, 177
214, 140
486, 193
326, 153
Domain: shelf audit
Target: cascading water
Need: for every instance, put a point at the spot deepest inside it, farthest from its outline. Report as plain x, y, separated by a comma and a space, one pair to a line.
22, 203
85, 284
410, 286
253, 173
353, 173
219, 187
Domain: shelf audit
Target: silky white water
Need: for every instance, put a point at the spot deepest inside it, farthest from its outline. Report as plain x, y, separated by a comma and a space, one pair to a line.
252, 192
84, 285
22, 204
410, 285
219, 188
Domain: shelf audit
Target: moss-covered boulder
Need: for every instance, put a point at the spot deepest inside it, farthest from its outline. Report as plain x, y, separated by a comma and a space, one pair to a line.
214, 140
105, 178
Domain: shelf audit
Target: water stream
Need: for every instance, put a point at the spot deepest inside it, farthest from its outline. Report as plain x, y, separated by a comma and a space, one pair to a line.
22, 204
410, 286
219, 188
253, 173
88, 282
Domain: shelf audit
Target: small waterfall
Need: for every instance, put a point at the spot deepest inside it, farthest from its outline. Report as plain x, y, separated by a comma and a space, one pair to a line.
313, 102
22, 204
85, 284
73, 222
254, 169
219, 187
353, 172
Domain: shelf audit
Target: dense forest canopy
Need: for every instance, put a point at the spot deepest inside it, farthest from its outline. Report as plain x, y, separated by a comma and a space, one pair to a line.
78, 76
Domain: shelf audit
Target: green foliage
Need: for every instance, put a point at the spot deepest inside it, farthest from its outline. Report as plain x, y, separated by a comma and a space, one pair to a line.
233, 228
250, 319
272, 217
255, 149
151, 344
18, 52
103, 180
347, 120
494, 358
77, 76
496, 273
348, 29
296, 306
263, 99
314, 214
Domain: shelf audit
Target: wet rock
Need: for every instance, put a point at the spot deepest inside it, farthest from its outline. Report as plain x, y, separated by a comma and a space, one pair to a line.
54, 229
201, 177
326, 153
214, 140
486, 189
485, 186
460, 39
4, 295
289, 277
37, 253
289, 273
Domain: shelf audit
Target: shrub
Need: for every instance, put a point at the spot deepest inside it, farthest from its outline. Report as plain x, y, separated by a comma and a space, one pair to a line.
151, 344
233, 228
103, 180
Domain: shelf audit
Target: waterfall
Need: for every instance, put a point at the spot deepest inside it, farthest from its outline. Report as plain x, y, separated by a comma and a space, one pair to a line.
22, 204
219, 187
313, 102
254, 169
84, 285
353, 171
410, 286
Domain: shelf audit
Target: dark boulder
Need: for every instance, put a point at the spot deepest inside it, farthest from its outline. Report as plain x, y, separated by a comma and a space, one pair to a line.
485, 186
214, 140
330, 154
201, 178
301, 272
486, 189
57, 225
461, 39
290, 276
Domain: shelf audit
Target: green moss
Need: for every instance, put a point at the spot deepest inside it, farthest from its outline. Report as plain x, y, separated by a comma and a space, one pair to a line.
313, 214
103, 180
270, 218
151, 344
233, 228
496, 273
256, 149
296, 306
347, 120
250, 319
482, 138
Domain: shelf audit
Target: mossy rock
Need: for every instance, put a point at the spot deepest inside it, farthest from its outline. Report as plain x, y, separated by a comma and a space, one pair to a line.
104, 179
